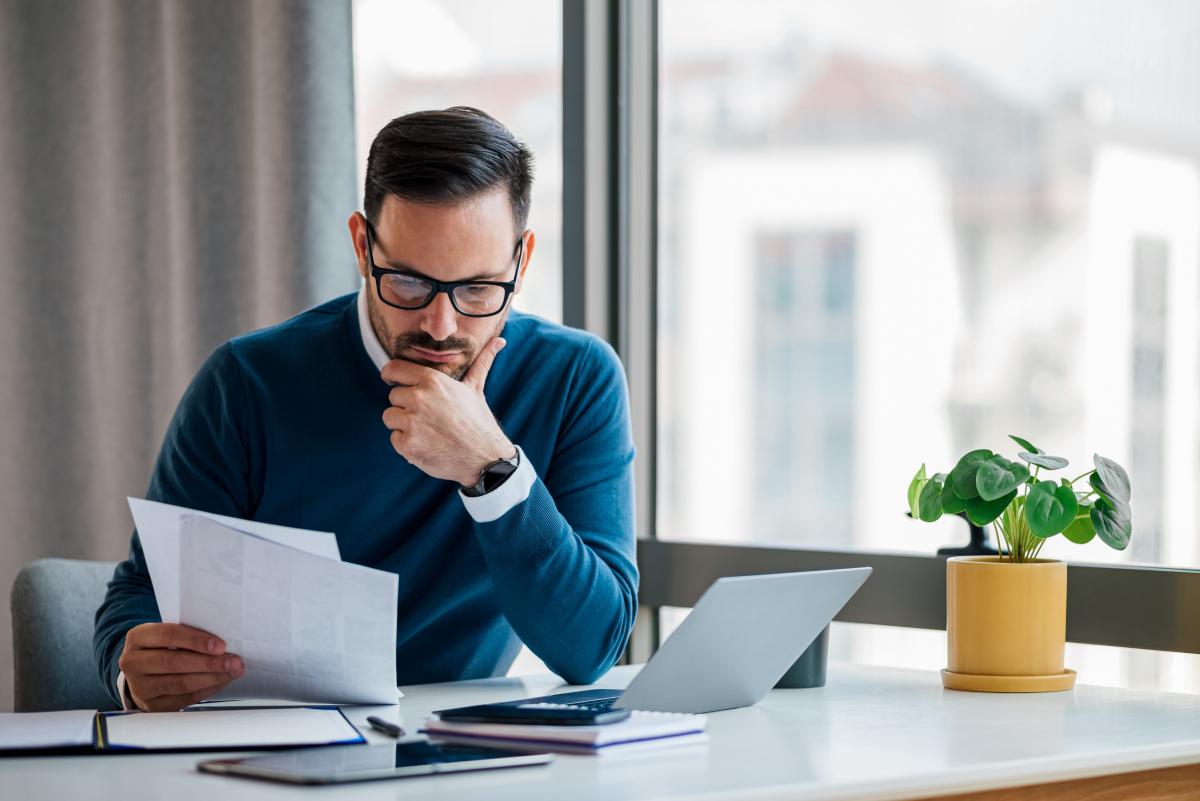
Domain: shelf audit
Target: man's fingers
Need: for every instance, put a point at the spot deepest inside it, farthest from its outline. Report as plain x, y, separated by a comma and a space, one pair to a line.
477, 374
403, 397
174, 703
399, 371
153, 661
174, 635
150, 688
396, 419
398, 444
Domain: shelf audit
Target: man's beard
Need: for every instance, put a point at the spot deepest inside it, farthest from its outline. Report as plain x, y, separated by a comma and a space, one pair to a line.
396, 345
419, 339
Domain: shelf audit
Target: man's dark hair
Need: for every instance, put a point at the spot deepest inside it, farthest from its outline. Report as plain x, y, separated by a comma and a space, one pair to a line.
439, 157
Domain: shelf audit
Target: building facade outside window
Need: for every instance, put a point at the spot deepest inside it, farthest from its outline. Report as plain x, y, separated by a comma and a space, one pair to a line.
1016, 192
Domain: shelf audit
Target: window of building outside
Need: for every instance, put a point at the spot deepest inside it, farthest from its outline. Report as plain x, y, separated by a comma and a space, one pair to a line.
892, 231
503, 58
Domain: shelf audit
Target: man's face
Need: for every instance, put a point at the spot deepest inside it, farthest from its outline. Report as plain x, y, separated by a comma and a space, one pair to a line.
471, 240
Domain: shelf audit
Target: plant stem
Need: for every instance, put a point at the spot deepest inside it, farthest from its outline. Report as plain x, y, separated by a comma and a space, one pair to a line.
1085, 475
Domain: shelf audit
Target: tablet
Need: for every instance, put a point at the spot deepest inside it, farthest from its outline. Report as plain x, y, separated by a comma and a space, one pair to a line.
357, 763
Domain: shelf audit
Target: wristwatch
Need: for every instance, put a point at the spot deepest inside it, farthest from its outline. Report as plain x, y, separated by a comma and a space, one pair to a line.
493, 476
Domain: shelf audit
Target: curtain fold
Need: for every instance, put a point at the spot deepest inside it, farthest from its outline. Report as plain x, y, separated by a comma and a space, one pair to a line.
172, 174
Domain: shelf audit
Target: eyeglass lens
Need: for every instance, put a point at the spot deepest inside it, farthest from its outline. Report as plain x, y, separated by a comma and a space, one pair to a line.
409, 291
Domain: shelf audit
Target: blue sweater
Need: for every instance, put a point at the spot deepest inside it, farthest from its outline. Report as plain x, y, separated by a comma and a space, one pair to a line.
284, 426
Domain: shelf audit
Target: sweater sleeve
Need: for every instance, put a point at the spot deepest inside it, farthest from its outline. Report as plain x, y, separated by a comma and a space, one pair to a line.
563, 560
203, 464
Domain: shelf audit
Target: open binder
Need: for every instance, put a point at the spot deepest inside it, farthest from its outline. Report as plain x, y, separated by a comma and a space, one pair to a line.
196, 729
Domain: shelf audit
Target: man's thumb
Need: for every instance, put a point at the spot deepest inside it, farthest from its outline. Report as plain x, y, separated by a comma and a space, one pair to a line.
477, 375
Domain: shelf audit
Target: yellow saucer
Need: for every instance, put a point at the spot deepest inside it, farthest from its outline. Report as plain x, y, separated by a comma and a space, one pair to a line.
1009, 684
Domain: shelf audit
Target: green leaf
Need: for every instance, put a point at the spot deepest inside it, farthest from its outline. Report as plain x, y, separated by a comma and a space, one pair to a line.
1050, 508
962, 477
951, 503
914, 491
981, 512
997, 477
1114, 481
1026, 444
1043, 460
930, 501
1112, 522
1081, 531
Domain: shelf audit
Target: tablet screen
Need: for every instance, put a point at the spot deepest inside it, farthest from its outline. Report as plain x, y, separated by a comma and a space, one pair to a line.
353, 763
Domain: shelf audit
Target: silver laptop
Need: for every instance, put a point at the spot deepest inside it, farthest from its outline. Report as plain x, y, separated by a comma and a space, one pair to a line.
741, 637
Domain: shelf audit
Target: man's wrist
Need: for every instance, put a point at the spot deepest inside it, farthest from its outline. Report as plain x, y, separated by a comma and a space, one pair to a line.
505, 451
508, 495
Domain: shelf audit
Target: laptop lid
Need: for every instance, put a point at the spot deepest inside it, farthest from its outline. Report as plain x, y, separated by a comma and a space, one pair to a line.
741, 637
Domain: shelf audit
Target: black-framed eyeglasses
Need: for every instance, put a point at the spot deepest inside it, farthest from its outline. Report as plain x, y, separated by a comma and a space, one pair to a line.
409, 291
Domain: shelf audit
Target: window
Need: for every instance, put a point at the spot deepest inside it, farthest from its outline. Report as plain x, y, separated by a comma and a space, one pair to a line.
502, 58
891, 232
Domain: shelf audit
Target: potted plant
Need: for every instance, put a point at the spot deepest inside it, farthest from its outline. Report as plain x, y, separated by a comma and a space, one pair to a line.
1006, 615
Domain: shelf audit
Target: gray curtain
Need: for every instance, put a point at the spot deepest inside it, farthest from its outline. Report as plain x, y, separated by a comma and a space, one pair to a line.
171, 174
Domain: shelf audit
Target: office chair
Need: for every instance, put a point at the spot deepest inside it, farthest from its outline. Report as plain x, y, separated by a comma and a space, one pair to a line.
54, 604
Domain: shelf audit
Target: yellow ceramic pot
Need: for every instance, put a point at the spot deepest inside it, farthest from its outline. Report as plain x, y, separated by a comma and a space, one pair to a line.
1006, 625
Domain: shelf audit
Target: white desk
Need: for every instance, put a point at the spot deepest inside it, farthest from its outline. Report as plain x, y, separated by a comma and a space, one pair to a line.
873, 733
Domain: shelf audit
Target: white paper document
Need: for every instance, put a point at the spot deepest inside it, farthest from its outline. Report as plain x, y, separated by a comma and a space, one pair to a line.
229, 729
158, 529
21, 730
307, 627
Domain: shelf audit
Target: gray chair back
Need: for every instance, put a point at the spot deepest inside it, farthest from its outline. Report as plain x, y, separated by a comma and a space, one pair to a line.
54, 604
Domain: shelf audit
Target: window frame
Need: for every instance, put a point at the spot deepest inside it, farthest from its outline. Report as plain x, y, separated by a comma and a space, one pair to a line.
610, 281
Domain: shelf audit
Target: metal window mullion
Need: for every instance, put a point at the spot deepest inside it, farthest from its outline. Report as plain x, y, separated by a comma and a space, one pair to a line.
589, 44
637, 266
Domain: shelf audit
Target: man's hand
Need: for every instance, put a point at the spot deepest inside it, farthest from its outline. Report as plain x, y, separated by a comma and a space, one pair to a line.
442, 426
168, 666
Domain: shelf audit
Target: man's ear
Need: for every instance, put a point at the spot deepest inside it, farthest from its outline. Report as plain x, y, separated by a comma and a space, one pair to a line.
358, 239
526, 254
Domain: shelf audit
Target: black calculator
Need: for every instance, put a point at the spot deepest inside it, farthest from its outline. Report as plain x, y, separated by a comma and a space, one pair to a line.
537, 712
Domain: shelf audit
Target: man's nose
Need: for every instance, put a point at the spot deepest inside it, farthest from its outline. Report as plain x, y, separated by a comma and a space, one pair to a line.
440, 320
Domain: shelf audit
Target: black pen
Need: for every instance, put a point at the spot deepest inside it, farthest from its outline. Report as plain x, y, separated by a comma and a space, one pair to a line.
390, 729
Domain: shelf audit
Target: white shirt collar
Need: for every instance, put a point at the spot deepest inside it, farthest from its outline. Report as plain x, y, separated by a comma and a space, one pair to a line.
370, 340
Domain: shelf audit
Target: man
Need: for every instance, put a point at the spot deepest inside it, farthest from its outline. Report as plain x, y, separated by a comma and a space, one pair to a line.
482, 454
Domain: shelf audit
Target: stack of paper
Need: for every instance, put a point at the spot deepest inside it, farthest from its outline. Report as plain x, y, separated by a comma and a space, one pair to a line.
308, 626
640, 729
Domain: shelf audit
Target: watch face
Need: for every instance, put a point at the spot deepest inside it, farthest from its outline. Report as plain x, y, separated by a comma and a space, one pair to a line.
495, 474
